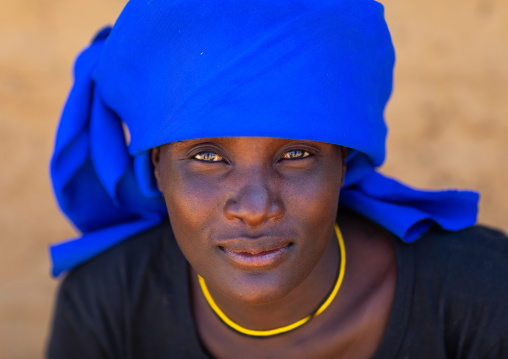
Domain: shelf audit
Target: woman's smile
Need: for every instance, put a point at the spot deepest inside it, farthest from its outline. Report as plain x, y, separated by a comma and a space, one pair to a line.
255, 259
256, 253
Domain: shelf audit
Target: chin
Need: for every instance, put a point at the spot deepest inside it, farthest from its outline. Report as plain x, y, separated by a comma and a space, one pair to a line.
256, 289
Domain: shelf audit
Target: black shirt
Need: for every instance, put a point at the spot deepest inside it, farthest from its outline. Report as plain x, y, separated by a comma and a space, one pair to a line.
133, 301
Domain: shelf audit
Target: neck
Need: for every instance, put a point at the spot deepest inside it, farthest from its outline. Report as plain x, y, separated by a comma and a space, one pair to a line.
297, 304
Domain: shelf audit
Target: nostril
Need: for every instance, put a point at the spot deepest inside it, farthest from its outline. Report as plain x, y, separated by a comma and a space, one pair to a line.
277, 210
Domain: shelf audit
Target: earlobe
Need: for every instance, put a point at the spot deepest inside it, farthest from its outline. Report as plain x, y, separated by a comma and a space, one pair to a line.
155, 154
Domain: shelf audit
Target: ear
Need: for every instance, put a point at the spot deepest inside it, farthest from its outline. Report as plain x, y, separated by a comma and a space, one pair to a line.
155, 154
344, 151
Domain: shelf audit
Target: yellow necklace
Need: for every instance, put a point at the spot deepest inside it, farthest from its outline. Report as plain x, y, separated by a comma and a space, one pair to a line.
290, 327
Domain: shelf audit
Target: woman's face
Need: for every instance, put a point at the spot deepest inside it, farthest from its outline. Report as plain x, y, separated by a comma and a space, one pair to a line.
252, 215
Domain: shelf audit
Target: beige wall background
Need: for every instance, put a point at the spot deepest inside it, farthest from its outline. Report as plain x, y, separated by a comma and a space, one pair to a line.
448, 122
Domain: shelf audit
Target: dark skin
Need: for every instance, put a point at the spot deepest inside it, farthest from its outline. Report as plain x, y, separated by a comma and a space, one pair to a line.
255, 218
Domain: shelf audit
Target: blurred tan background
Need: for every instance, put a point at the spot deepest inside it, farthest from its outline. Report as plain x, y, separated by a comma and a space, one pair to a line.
448, 122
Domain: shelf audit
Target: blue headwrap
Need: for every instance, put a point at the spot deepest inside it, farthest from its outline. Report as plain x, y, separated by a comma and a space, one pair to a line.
183, 69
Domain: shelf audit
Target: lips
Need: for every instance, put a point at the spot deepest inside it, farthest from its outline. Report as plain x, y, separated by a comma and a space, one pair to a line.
256, 253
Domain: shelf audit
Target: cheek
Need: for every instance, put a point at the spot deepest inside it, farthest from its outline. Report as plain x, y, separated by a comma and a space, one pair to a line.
189, 196
314, 204
192, 204
315, 195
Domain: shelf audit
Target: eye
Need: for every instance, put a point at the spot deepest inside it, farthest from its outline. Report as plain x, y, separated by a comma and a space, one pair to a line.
209, 157
295, 155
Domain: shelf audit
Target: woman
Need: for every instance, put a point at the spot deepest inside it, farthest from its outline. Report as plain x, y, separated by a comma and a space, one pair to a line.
244, 216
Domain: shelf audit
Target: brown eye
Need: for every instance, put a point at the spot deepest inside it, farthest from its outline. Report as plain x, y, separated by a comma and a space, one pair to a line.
209, 157
295, 155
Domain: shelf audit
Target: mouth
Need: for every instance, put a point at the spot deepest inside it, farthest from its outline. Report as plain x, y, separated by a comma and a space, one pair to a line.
265, 254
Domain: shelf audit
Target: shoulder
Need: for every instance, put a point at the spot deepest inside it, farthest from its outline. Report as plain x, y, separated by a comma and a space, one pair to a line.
96, 300
468, 267
476, 256
461, 280
126, 302
488, 240
120, 267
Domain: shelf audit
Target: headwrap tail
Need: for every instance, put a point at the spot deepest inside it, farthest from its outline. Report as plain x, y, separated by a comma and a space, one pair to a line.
94, 177
408, 212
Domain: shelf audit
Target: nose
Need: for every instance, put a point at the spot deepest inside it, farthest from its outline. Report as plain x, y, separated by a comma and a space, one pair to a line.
255, 202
